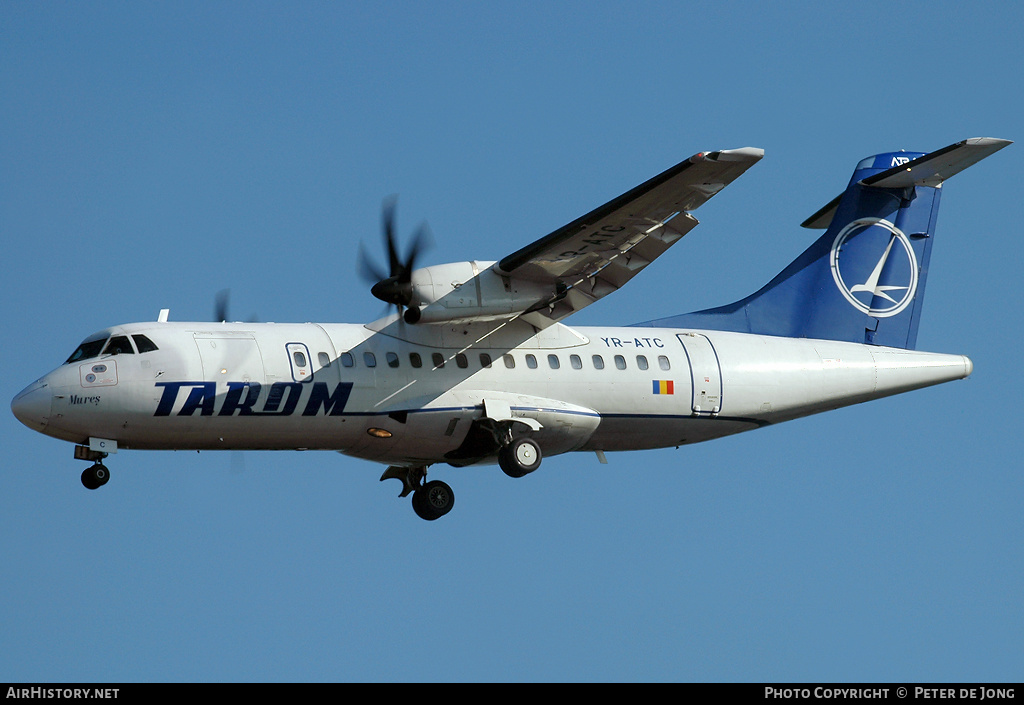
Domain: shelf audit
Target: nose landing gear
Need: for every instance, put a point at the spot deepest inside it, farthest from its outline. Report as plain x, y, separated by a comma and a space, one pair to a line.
96, 476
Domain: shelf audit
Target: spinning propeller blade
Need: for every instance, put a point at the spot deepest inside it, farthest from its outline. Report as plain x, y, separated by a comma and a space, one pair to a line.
220, 308
220, 305
395, 285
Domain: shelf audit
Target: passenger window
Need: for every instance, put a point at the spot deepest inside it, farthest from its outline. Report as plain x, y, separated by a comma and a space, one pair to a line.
620, 362
576, 362
119, 345
369, 359
510, 362
485, 360
324, 358
415, 360
144, 344
299, 358
641, 362
663, 363
438, 359
553, 362
531, 362
347, 360
461, 361
392, 359
598, 362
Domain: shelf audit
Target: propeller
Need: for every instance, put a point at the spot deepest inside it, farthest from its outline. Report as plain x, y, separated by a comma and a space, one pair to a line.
394, 286
220, 315
220, 307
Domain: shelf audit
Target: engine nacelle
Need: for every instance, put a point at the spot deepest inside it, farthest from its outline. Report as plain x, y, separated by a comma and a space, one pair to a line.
461, 292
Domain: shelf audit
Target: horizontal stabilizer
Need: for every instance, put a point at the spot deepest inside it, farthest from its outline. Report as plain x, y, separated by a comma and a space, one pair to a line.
928, 170
823, 218
934, 168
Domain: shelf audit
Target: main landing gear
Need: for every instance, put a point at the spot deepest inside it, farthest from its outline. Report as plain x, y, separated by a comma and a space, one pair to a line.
519, 457
433, 500
430, 500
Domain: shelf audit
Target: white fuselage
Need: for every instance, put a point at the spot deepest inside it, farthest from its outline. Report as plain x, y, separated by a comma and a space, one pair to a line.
326, 386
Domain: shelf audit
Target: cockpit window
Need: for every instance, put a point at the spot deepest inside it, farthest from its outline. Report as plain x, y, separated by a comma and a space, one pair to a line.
88, 349
119, 345
144, 344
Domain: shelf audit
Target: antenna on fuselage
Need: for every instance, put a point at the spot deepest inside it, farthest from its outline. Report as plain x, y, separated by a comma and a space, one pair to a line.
164, 313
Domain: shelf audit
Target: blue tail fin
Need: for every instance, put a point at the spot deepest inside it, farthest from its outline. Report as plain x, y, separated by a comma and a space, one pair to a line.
863, 280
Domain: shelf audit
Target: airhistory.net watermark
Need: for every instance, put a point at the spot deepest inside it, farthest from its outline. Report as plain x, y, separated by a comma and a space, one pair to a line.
62, 693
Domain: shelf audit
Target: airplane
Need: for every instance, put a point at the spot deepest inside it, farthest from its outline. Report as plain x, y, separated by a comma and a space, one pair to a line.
473, 366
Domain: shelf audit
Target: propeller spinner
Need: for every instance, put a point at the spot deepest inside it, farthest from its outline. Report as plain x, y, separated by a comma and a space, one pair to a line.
395, 286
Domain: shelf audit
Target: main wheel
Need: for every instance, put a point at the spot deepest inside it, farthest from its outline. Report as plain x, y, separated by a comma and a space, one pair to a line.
433, 500
95, 476
519, 458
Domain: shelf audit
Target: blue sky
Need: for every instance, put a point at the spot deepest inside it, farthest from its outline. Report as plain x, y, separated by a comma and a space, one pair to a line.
155, 153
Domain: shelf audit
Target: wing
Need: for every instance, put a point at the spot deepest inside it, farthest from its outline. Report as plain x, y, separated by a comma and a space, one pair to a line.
595, 255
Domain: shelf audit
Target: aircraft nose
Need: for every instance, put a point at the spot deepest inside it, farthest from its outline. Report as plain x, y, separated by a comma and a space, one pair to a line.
32, 405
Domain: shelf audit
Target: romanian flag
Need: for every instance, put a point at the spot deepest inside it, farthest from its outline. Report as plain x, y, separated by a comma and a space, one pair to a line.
663, 386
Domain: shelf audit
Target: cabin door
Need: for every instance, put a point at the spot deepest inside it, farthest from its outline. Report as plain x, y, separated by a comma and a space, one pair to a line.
705, 374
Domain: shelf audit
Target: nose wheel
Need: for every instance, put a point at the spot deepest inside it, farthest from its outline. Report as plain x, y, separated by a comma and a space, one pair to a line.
96, 476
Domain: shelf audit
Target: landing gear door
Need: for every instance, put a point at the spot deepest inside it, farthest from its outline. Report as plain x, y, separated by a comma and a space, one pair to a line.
705, 374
